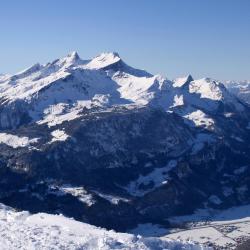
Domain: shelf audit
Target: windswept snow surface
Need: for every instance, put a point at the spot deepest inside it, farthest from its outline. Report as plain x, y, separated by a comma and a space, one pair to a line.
23, 231
15, 141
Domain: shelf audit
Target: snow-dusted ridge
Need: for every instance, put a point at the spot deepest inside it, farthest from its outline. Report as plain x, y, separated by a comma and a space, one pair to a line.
103, 60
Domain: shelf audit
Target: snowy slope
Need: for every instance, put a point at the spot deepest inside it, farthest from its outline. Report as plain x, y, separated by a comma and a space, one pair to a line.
21, 230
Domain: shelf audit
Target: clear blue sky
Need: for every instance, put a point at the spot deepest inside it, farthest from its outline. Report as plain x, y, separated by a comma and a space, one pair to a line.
171, 37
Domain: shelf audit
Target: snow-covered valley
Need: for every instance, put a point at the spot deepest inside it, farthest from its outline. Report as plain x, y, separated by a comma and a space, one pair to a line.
219, 229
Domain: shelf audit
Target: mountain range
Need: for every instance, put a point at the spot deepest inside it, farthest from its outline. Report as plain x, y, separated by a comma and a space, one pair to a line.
116, 146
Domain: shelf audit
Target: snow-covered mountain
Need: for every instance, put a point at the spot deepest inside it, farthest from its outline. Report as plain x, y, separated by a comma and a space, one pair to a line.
240, 89
115, 146
61, 90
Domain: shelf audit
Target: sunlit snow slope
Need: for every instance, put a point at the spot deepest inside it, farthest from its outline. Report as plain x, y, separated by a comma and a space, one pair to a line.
21, 230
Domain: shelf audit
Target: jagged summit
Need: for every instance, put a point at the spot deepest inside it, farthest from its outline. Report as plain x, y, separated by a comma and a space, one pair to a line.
103, 60
208, 88
74, 55
181, 81
72, 59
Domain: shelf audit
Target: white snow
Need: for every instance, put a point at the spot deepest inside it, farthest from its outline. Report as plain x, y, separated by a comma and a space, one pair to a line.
103, 60
240, 88
15, 141
59, 113
179, 82
140, 90
222, 228
78, 192
207, 88
114, 199
203, 235
199, 118
60, 91
149, 230
156, 178
59, 135
213, 90
178, 101
3, 77
23, 231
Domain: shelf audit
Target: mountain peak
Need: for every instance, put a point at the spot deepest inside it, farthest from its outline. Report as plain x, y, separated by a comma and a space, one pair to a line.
181, 81
103, 60
73, 55
208, 88
109, 55
71, 59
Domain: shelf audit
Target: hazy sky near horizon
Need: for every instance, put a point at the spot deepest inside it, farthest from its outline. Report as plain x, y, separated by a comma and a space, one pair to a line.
170, 37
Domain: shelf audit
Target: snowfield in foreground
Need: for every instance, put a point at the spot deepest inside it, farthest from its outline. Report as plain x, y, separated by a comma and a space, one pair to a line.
21, 230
